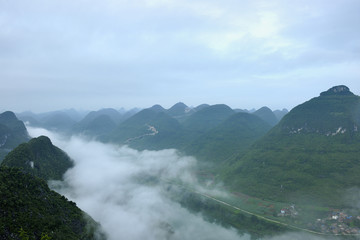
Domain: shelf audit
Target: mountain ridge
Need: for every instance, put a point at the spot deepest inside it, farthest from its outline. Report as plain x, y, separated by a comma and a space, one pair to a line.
40, 158
311, 154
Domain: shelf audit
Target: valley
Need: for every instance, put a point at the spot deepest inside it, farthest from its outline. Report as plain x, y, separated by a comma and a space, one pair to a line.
256, 174
179, 120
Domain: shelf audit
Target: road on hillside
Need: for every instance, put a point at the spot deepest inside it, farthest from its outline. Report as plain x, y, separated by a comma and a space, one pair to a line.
265, 218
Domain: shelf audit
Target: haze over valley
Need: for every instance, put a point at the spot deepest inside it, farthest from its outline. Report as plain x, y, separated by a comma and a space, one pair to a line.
181, 172
179, 120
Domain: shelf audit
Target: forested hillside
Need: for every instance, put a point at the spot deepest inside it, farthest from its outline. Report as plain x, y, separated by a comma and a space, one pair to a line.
313, 154
40, 158
12, 133
30, 210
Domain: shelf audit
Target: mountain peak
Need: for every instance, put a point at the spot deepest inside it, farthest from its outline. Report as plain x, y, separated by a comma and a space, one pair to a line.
267, 115
157, 108
337, 90
8, 116
178, 109
179, 104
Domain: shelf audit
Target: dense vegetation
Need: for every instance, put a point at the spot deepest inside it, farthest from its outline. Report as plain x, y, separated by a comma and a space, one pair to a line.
212, 133
12, 133
169, 132
226, 216
180, 111
313, 154
98, 123
58, 122
30, 210
267, 115
149, 129
228, 139
207, 118
39, 157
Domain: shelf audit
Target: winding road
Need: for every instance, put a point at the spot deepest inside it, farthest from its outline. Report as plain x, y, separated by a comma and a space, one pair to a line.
265, 218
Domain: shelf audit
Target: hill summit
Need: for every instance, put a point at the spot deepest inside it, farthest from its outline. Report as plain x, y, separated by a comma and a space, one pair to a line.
337, 90
40, 158
12, 133
312, 154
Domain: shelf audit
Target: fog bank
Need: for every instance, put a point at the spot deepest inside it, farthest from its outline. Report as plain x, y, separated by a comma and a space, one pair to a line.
113, 184
117, 186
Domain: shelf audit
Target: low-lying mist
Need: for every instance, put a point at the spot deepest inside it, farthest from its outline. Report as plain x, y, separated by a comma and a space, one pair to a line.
113, 185
106, 182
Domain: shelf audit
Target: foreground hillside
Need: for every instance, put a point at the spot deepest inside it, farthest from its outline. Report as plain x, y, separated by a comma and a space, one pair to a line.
40, 158
30, 210
313, 154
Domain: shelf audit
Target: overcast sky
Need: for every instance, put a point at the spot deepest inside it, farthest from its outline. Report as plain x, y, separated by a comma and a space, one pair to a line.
135, 53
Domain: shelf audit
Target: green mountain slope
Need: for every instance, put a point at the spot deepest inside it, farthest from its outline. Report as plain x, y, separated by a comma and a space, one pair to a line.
101, 125
158, 108
207, 118
154, 129
40, 158
113, 114
230, 138
312, 154
30, 210
95, 126
58, 121
201, 106
12, 133
280, 113
149, 129
267, 115
180, 111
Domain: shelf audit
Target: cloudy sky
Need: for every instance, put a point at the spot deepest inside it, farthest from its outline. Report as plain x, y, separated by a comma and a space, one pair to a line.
135, 53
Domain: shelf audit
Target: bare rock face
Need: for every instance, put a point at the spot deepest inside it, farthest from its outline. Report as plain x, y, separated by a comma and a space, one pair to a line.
337, 90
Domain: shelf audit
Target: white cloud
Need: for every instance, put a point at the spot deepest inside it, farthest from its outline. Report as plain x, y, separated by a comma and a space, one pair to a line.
108, 183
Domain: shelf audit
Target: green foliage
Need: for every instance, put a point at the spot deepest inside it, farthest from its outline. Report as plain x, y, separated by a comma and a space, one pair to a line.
180, 112
135, 131
44, 236
170, 133
58, 121
23, 235
206, 119
312, 155
12, 133
98, 123
228, 217
30, 210
213, 134
267, 115
229, 138
40, 158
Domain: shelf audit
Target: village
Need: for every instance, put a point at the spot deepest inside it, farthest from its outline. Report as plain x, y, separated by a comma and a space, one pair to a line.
337, 222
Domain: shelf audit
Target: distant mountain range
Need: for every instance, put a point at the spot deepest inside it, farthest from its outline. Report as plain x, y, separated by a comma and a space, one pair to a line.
310, 154
184, 128
228, 139
207, 132
267, 115
150, 128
